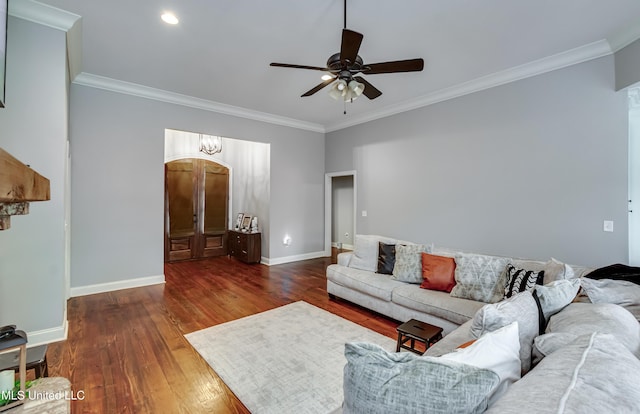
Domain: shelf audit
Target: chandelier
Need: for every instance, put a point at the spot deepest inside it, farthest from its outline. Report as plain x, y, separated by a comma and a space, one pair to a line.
210, 144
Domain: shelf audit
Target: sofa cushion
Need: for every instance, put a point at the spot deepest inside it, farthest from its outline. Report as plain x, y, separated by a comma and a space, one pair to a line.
498, 351
519, 280
556, 295
408, 267
386, 258
435, 303
438, 272
377, 381
621, 292
578, 378
585, 318
365, 252
373, 284
452, 341
480, 277
521, 308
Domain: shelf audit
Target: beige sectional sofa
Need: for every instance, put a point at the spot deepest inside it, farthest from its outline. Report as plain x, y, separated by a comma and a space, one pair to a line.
354, 279
546, 349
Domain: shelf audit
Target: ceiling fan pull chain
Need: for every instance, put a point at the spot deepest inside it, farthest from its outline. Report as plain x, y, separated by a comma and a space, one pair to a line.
345, 14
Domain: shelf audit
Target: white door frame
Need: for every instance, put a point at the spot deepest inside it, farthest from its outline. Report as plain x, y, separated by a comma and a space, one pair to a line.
328, 193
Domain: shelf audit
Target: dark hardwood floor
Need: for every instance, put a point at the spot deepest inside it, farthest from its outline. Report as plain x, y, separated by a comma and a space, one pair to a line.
126, 350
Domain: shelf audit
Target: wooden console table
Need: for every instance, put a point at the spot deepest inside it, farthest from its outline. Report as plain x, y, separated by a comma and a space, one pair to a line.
244, 246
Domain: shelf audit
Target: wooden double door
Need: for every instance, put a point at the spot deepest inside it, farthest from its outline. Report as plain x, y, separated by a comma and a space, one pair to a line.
196, 209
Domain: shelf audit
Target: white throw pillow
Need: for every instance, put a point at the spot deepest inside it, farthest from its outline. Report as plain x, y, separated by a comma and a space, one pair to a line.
365, 252
498, 351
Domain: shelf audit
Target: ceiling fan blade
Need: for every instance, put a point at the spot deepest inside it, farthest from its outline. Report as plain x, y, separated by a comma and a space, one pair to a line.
287, 65
370, 91
350, 45
409, 65
317, 88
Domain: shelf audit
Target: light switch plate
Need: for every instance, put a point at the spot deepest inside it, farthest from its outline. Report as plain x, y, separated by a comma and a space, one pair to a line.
608, 226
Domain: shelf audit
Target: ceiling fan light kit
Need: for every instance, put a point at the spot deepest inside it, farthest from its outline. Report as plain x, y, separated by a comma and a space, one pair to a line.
345, 65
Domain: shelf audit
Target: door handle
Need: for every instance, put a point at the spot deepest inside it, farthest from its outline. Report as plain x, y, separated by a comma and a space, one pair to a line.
195, 218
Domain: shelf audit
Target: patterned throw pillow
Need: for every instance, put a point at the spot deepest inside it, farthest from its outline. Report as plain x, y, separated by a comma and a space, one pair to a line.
519, 280
479, 277
408, 267
378, 381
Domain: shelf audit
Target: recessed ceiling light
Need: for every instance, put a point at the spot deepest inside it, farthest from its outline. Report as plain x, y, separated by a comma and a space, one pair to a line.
170, 18
326, 77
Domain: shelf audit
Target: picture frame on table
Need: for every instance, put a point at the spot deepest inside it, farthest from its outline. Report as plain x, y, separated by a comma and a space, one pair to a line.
246, 223
239, 221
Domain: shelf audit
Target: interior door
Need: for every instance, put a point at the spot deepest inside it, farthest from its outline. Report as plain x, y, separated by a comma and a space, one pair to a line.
196, 203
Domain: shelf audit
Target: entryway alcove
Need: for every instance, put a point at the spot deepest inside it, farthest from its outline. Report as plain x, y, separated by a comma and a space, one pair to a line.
240, 173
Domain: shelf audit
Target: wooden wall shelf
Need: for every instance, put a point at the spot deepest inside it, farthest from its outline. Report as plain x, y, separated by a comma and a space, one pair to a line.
19, 184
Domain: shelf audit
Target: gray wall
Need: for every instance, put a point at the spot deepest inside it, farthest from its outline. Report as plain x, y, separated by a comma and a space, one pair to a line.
33, 128
117, 188
527, 169
627, 62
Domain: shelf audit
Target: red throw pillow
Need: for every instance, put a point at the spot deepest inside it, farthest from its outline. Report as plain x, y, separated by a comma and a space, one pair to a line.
438, 272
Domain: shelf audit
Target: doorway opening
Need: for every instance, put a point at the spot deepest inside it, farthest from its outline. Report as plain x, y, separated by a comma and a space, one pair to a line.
634, 177
340, 211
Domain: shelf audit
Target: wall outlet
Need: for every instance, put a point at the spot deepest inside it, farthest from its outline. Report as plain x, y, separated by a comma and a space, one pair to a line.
608, 226
364, 213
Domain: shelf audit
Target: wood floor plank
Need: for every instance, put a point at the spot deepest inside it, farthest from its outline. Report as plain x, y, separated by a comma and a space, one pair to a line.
127, 352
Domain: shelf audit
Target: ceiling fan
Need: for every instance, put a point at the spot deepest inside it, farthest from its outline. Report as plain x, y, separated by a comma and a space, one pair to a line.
344, 67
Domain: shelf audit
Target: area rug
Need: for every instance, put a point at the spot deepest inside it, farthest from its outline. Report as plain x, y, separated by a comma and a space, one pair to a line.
285, 360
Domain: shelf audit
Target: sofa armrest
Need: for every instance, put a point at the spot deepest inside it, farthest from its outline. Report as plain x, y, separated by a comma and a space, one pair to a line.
345, 258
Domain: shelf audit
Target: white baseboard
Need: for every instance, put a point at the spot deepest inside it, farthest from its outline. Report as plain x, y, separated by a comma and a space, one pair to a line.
47, 336
344, 246
289, 259
111, 286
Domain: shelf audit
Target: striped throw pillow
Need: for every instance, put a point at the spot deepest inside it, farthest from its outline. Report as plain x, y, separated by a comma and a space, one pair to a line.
519, 280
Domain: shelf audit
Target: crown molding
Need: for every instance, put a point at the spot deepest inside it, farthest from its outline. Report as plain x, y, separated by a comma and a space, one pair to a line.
43, 14
538, 67
114, 85
624, 37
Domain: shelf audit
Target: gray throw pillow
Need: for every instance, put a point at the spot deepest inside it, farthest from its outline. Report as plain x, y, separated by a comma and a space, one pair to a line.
521, 308
479, 277
377, 381
620, 292
556, 295
408, 266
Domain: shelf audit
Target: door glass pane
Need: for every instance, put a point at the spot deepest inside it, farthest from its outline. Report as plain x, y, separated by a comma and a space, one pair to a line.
216, 178
179, 183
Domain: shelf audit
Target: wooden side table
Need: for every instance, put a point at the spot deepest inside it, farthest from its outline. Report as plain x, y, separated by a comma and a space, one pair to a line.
36, 360
414, 330
244, 246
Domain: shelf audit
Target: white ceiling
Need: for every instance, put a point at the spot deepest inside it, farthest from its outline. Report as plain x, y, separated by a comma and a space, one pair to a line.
221, 50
